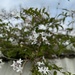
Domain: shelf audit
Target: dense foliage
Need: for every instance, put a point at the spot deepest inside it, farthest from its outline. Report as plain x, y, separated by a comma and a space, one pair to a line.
35, 35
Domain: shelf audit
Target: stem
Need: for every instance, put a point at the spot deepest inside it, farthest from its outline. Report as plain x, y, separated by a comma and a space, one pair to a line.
24, 63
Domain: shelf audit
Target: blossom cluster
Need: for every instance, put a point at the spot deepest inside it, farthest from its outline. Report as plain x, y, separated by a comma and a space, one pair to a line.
17, 65
42, 68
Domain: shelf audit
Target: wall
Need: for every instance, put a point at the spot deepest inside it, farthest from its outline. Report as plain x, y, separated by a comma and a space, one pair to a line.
68, 64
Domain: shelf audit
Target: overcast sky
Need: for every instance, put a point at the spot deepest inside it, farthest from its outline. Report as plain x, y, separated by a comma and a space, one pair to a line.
52, 4
49, 4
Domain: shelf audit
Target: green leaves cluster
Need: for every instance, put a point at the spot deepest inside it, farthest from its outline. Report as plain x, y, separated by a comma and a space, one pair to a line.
37, 35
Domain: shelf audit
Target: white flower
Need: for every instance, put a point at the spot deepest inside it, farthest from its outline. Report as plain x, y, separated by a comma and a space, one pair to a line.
17, 65
43, 70
40, 69
0, 60
44, 58
1, 63
19, 61
40, 63
19, 69
14, 65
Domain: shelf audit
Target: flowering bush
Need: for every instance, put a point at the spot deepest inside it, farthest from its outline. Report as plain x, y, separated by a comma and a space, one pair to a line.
35, 37
17, 65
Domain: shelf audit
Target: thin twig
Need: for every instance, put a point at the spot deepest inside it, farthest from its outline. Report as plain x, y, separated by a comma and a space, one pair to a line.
24, 63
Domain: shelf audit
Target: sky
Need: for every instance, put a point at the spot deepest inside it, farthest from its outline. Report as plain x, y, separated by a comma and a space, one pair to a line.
51, 5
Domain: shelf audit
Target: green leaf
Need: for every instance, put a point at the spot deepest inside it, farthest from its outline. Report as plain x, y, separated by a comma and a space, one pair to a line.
52, 19
23, 18
57, 67
43, 10
46, 14
69, 29
0, 20
55, 73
